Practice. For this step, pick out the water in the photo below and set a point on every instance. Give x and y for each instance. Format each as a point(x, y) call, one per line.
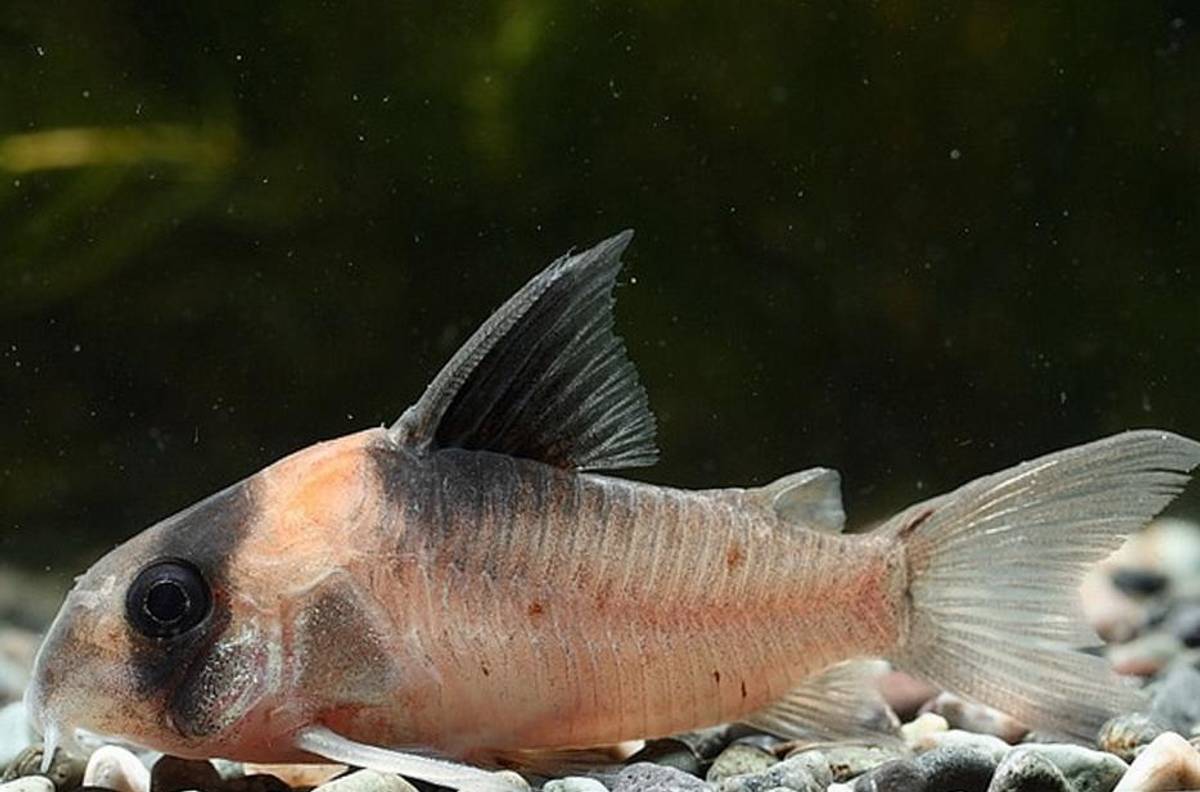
point(913, 243)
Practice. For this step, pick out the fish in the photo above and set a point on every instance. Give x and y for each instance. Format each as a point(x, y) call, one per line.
point(472, 584)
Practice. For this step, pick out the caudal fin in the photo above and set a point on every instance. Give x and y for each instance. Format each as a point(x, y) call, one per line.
point(994, 570)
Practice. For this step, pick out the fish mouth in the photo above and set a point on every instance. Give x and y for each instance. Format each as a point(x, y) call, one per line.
point(57, 732)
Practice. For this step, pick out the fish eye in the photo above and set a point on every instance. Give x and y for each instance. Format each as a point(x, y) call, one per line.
point(167, 598)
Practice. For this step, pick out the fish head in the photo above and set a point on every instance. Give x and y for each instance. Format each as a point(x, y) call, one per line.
point(174, 639)
point(155, 643)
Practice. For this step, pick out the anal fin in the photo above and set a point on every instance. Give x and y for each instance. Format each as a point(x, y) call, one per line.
point(842, 702)
point(322, 742)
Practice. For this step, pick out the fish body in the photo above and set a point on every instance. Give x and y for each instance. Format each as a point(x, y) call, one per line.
point(464, 582)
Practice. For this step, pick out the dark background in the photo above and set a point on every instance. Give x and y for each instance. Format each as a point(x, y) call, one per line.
point(914, 241)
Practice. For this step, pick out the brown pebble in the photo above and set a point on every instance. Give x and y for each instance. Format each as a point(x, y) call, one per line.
point(1125, 735)
point(66, 772)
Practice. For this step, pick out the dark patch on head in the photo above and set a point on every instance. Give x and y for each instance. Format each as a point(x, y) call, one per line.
point(743, 688)
point(213, 692)
point(535, 609)
point(206, 535)
point(716, 676)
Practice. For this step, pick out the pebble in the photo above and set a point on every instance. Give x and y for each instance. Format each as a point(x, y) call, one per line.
point(957, 767)
point(369, 781)
point(1138, 582)
point(1025, 770)
point(905, 694)
point(258, 782)
point(296, 775)
point(705, 743)
point(647, 777)
point(977, 718)
point(1125, 735)
point(1114, 616)
point(172, 774)
point(925, 724)
point(740, 759)
point(850, 761)
point(66, 771)
point(116, 769)
point(32, 783)
point(1168, 763)
point(815, 763)
point(1184, 623)
point(574, 784)
point(1177, 699)
point(1085, 770)
point(670, 753)
point(989, 744)
point(802, 773)
point(15, 735)
point(1145, 655)
point(900, 775)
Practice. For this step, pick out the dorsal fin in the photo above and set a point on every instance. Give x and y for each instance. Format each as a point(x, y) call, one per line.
point(544, 378)
point(809, 499)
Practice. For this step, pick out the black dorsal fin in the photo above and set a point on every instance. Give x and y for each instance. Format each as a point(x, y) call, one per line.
point(544, 378)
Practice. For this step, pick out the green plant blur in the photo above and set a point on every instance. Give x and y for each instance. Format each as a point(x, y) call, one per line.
point(913, 241)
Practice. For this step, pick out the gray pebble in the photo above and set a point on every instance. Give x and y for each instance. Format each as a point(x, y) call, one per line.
point(574, 784)
point(956, 768)
point(1025, 770)
point(899, 775)
point(814, 762)
point(28, 784)
point(172, 774)
point(1177, 699)
point(647, 777)
point(707, 743)
point(1125, 735)
point(850, 761)
point(670, 752)
point(740, 759)
point(802, 773)
point(1085, 770)
point(368, 781)
point(956, 738)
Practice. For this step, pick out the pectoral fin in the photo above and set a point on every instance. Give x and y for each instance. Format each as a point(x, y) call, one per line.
point(842, 702)
point(322, 742)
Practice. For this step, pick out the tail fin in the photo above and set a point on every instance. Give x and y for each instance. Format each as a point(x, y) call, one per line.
point(994, 570)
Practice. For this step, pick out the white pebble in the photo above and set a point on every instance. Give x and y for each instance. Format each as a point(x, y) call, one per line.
point(367, 781)
point(574, 784)
point(116, 769)
point(1168, 763)
point(15, 735)
point(33, 783)
point(929, 723)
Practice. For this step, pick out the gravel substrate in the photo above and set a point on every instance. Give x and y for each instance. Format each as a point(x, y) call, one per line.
point(1145, 601)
